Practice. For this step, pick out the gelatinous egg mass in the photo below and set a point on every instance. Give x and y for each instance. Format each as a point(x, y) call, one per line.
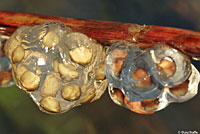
point(147, 80)
point(59, 68)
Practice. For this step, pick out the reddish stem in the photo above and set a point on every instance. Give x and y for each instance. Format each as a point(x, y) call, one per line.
point(106, 32)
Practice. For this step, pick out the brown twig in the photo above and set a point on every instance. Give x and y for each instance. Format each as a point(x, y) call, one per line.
point(106, 32)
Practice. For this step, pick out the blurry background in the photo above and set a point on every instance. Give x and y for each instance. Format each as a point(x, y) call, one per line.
point(19, 115)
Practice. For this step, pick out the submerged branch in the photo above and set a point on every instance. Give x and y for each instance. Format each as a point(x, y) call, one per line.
point(106, 32)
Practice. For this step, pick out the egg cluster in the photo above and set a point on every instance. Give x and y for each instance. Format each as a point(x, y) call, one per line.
point(59, 68)
point(150, 78)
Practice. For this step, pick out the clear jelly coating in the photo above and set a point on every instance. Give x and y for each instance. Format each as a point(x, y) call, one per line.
point(176, 65)
point(59, 68)
point(161, 72)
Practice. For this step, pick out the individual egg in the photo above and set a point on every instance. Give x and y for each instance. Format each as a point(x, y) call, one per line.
point(80, 47)
point(171, 67)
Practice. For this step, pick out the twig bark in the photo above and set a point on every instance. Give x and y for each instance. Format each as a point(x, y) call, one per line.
point(106, 32)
